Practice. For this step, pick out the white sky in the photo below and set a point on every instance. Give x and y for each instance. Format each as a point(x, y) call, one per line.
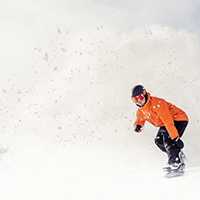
point(29, 20)
point(182, 12)
point(26, 23)
point(115, 14)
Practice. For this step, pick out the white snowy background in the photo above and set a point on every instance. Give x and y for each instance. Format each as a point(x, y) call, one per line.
point(66, 116)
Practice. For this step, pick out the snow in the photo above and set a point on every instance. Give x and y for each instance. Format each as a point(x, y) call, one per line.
point(66, 116)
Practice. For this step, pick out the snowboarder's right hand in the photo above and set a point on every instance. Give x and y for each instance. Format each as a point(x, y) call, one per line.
point(138, 128)
point(178, 142)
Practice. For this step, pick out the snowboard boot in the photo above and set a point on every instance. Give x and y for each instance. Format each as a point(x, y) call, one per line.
point(177, 165)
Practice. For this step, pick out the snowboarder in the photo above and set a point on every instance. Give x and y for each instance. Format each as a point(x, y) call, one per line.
point(170, 119)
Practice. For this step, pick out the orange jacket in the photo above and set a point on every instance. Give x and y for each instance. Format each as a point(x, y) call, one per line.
point(160, 113)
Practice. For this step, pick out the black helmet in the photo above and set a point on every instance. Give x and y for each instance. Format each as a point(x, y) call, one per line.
point(138, 89)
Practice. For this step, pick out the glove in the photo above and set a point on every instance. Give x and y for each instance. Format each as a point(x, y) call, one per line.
point(138, 128)
point(178, 142)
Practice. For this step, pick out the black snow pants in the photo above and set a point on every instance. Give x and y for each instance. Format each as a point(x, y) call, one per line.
point(164, 142)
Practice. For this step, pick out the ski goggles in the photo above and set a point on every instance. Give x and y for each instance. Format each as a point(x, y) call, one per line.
point(140, 96)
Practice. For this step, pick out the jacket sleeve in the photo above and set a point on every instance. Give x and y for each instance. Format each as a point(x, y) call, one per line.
point(164, 113)
point(139, 118)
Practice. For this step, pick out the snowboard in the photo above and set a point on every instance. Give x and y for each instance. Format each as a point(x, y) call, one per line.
point(178, 172)
point(174, 174)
